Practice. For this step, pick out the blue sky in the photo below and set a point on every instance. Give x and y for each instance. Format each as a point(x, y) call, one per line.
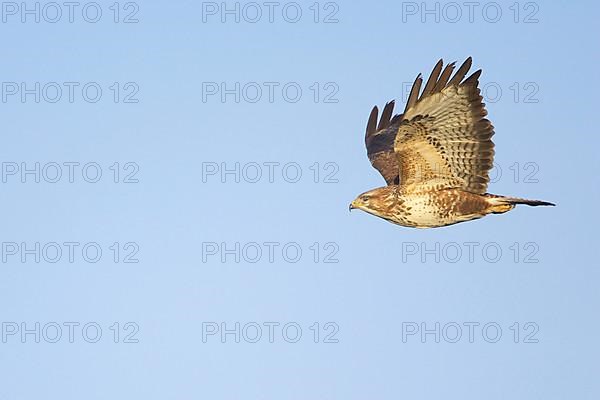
point(228, 153)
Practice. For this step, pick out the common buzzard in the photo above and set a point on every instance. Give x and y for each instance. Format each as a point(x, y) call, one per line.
point(435, 157)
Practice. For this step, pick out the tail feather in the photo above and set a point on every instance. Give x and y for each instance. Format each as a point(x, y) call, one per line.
point(502, 204)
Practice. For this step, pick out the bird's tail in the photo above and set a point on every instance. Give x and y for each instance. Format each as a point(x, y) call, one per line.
point(502, 204)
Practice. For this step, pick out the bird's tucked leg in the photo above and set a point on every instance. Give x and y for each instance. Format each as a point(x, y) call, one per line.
point(501, 208)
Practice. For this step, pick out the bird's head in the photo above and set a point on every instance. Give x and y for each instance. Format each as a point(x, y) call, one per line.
point(377, 201)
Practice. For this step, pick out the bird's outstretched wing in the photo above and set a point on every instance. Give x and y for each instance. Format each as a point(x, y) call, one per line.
point(441, 140)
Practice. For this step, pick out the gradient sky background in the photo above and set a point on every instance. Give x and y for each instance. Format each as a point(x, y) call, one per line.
point(368, 56)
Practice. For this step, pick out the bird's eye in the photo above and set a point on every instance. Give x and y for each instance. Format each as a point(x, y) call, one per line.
point(365, 198)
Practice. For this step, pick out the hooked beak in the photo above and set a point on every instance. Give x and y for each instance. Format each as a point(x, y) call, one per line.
point(351, 207)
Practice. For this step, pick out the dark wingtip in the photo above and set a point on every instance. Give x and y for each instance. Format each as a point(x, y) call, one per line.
point(386, 115)
point(462, 72)
point(473, 79)
point(533, 202)
point(372, 122)
point(413, 96)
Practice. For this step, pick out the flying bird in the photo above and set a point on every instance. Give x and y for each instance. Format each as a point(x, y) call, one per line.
point(436, 156)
